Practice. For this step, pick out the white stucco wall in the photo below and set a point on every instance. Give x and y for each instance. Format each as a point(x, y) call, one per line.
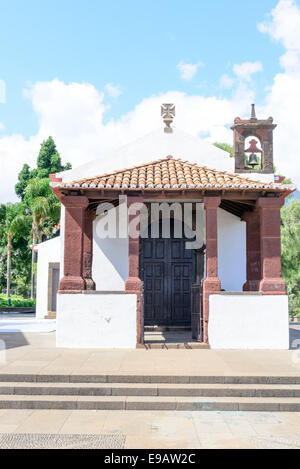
point(62, 239)
point(110, 256)
point(231, 251)
point(248, 321)
point(49, 251)
point(155, 145)
point(96, 320)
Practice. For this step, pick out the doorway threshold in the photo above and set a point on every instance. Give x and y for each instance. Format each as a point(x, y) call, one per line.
point(171, 339)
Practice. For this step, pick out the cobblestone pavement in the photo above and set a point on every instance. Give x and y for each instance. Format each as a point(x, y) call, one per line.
point(153, 429)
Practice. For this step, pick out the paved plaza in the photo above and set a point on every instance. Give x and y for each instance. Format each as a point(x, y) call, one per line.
point(36, 354)
point(31, 352)
point(140, 429)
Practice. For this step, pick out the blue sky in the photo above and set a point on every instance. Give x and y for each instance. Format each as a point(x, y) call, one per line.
point(134, 44)
point(93, 74)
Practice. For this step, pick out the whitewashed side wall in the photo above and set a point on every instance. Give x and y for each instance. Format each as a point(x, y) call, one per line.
point(96, 320)
point(246, 321)
point(62, 239)
point(110, 256)
point(49, 251)
point(231, 251)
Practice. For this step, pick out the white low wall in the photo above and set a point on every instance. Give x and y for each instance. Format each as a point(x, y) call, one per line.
point(48, 251)
point(248, 321)
point(96, 320)
point(231, 251)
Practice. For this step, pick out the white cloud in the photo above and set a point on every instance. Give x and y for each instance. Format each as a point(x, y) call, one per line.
point(226, 81)
point(284, 27)
point(113, 90)
point(188, 71)
point(1, 126)
point(245, 70)
point(283, 100)
point(74, 114)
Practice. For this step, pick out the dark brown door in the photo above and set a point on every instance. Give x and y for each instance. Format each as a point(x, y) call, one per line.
point(168, 271)
point(55, 282)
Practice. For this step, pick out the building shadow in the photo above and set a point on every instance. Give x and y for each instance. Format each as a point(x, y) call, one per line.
point(294, 336)
point(10, 340)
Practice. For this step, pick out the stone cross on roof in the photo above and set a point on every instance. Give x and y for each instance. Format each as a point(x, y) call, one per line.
point(168, 112)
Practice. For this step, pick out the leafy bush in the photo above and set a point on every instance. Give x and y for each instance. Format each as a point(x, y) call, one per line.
point(16, 301)
point(290, 247)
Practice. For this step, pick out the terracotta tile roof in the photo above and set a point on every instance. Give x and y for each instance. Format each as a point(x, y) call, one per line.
point(172, 173)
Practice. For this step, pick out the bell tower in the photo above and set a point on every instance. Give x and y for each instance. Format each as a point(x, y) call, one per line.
point(263, 131)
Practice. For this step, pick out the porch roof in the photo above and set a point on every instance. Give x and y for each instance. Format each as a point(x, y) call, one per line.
point(172, 174)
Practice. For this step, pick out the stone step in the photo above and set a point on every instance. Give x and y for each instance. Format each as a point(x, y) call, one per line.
point(139, 378)
point(176, 345)
point(150, 403)
point(167, 329)
point(142, 389)
point(51, 315)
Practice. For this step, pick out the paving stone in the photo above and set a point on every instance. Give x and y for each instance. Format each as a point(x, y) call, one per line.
point(206, 405)
point(52, 441)
point(55, 378)
point(151, 403)
point(101, 405)
point(86, 378)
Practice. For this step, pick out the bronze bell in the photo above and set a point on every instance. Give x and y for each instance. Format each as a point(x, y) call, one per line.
point(253, 160)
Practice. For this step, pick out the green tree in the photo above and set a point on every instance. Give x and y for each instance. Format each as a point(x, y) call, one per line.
point(44, 212)
point(20, 259)
point(23, 178)
point(290, 244)
point(14, 227)
point(48, 162)
point(225, 147)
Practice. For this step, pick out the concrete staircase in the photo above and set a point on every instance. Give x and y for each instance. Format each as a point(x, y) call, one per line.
point(148, 392)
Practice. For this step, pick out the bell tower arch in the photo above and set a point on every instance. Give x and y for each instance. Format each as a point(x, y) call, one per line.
point(262, 129)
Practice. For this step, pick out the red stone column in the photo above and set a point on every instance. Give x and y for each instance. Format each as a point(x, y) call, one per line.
point(253, 252)
point(211, 284)
point(133, 284)
point(271, 281)
point(73, 280)
point(88, 249)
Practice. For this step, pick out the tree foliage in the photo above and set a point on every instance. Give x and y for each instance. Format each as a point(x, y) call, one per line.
point(48, 162)
point(225, 147)
point(30, 220)
point(10, 223)
point(23, 178)
point(290, 243)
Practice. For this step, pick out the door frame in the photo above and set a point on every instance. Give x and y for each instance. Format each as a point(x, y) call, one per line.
point(168, 322)
point(51, 267)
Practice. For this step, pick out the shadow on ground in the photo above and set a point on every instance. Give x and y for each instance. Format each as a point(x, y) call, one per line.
point(10, 340)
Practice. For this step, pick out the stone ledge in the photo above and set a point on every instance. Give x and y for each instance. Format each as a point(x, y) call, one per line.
point(240, 293)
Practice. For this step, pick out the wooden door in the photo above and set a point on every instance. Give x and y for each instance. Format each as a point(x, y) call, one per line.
point(168, 271)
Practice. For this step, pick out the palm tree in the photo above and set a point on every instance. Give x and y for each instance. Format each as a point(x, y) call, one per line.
point(43, 205)
point(15, 224)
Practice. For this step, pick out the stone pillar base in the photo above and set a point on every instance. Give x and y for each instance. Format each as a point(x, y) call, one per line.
point(251, 285)
point(211, 285)
point(272, 286)
point(90, 284)
point(72, 283)
point(134, 285)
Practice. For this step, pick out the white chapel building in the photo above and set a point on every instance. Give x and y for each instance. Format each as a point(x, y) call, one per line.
point(169, 231)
